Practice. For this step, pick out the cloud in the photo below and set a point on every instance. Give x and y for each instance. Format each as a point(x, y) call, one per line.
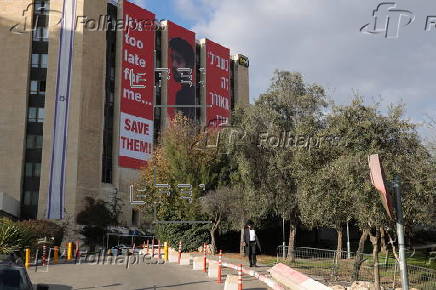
point(321, 39)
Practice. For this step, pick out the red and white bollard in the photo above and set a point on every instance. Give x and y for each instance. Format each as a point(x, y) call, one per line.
point(158, 249)
point(180, 252)
point(240, 277)
point(220, 264)
point(147, 247)
point(77, 250)
point(152, 248)
point(44, 255)
point(204, 258)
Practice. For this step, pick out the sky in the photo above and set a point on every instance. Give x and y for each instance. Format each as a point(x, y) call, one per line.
point(322, 40)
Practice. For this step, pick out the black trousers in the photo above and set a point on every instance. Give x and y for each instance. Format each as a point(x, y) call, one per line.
point(252, 253)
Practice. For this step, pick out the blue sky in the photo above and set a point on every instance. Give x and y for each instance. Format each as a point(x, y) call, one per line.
point(322, 40)
point(166, 9)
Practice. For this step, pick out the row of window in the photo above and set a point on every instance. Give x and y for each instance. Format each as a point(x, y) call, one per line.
point(40, 33)
point(32, 169)
point(34, 138)
point(37, 87)
point(39, 60)
point(34, 142)
point(35, 115)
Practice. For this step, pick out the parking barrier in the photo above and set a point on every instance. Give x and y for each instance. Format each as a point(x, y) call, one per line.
point(180, 252)
point(56, 255)
point(70, 251)
point(240, 277)
point(27, 258)
point(204, 258)
point(220, 261)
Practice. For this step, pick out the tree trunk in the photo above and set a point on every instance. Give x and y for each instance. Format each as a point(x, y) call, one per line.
point(358, 260)
point(291, 245)
point(212, 240)
point(213, 235)
point(384, 248)
point(375, 250)
point(339, 245)
point(241, 245)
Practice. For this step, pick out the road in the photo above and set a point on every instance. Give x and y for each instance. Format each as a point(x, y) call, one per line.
point(137, 277)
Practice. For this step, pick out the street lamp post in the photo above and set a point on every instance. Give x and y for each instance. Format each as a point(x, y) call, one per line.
point(400, 233)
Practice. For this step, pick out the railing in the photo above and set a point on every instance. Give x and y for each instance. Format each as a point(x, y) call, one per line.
point(332, 266)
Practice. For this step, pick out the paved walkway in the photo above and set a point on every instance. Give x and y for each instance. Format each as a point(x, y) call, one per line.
point(137, 277)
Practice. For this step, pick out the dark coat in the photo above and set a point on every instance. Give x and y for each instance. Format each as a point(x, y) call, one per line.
point(247, 239)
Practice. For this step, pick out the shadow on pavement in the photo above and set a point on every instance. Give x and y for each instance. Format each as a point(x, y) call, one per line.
point(104, 286)
point(175, 285)
point(44, 286)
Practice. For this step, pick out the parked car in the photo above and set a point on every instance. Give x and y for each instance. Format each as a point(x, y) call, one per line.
point(14, 277)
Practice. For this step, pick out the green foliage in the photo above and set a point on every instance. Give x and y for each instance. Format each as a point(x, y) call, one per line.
point(13, 237)
point(95, 217)
point(191, 236)
point(43, 228)
point(95, 213)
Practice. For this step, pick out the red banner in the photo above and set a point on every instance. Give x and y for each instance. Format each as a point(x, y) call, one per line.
point(217, 84)
point(137, 82)
point(181, 62)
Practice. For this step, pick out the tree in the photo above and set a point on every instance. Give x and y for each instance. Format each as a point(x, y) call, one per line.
point(95, 217)
point(268, 170)
point(367, 131)
point(179, 159)
point(217, 205)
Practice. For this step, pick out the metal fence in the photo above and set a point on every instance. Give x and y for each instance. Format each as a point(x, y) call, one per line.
point(334, 267)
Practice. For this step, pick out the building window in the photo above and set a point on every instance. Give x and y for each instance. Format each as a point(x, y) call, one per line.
point(135, 217)
point(108, 127)
point(30, 198)
point(37, 87)
point(35, 115)
point(33, 169)
point(41, 8)
point(34, 142)
point(39, 60)
point(40, 34)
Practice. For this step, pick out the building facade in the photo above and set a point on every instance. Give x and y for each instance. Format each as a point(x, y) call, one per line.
point(64, 74)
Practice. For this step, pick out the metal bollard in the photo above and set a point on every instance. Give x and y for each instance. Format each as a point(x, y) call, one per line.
point(180, 252)
point(27, 258)
point(204, 258)
point(240, 277)
point(70, 251)
point(165, 251)
point(220, 263)
point(56, 255)
point(158, 249)
point(147, 247)
point(77, 249)
point(44, 255)
point(152, 248)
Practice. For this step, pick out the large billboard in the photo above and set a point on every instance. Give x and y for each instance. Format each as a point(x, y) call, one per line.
point(137, 85)
point(217, 84)
point(181, 62)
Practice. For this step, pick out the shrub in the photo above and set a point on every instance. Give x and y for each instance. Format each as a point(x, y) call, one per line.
point(44, 228)
point(14, 237)
point(191, 236)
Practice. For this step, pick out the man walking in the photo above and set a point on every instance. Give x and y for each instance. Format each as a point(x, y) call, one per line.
point(251, 243)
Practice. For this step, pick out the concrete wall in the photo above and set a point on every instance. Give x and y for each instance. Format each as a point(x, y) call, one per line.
point(14, 72)
point(241, 83)
point(9, 204)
